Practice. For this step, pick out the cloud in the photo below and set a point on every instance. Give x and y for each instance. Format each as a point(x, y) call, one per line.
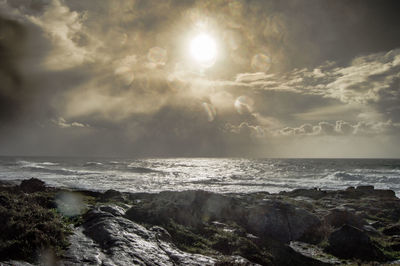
point(62, 123)
point(342, 128)
point(371, 80)
point(122, 67)
point(65, 30)
point(12, 38)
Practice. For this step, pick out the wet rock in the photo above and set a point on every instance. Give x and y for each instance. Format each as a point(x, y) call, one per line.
point(309, 193)
point(115, 240)
point(392, 230)
point(286, 255)
point(235, 261)
point(339, 217)
point(113, 209)
point(384, 193)
point(280, 221)
point(395, 247)
point(371, 230)
point(178, 257)
point(366, 188)
point(112, 194)
point(161, 233)
point(366, 191)
point(377, 224)
point(371, 191)
point(82, 249)
point(311, 251)
point(349, 242)
point(32, 185)
point(266, 219)
point(395, 238)
point(256, 226)
point(189, 208)
point(15, 263)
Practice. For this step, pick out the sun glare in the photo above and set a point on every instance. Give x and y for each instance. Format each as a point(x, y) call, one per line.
point(203, 49)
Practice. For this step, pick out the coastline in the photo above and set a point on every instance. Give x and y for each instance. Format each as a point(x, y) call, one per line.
point(302, 227)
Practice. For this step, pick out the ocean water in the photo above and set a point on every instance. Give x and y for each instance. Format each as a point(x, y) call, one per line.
point(213, 174)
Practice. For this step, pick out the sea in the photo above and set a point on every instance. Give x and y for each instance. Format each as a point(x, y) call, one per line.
point(222, 175)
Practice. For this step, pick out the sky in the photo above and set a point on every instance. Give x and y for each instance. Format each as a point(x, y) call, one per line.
point(293, 78)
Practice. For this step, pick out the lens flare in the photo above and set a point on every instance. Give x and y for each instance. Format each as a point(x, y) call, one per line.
point(261, 62)
point(157, 55)
point(203, 49)
point(244, 104)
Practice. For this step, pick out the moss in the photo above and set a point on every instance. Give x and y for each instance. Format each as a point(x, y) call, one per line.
point(75, 221)
point(211, 240)
point(187, 240)
point(30, 224)
point(231, 244)
point(384, 245)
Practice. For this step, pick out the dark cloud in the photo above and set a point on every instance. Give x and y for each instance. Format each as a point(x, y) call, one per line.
point(12, 93)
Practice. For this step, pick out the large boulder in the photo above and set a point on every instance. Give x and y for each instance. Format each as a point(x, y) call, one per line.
point(112, 194)
point(339, 217)
point(32, 185)
point(281, 221)
point(349, 242)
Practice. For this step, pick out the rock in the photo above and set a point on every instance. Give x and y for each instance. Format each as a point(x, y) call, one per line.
point(384, 193)
point(339, 217)
point(349, 242)
point(235, 261)
point(286, 255)
point(377, 224)
point(161, 233)
point(188, 208)
point(395, 238)
point(265, 219)
point(371, 230)
point(112, 194)
point(32, 185)
point(82, 250)
point(392, 230)
point(115, 240)
point(113, 209)
point(366, 188)
point(395, 247)
point(237, 229)
point(179, 257)
point(371, 191)
point(367, 191)
point(313, 251)
point(280, 221)
point(15, 263)
point(309, 193)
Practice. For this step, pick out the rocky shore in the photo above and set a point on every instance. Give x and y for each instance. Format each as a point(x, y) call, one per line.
point(54, 226)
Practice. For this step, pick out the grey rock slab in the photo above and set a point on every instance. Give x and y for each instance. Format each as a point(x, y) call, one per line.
point(106, 239)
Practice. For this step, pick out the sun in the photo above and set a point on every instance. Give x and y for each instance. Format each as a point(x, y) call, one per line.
point(203, 49)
